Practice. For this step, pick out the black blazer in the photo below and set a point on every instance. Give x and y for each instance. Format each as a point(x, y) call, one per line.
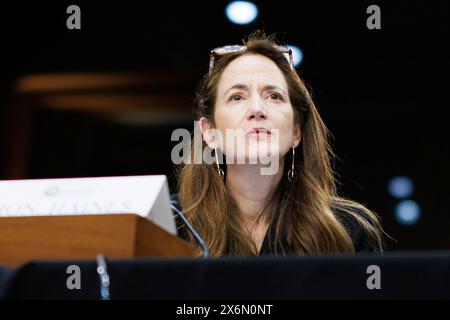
point(362, 241)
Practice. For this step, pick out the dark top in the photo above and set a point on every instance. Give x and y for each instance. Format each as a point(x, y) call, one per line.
point(362, 241)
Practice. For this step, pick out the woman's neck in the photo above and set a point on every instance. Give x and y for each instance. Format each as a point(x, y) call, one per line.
point(250, 189)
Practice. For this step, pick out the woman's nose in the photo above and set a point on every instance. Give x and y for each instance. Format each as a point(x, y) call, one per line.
point(257, 110)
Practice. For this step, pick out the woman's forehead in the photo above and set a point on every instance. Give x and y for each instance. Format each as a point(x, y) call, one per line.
point(252, 69)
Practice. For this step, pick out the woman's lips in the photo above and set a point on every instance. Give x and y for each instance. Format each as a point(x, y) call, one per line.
point(258, 131)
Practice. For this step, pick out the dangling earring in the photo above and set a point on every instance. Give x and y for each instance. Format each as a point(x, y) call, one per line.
point(292, 177)
point(220, 171)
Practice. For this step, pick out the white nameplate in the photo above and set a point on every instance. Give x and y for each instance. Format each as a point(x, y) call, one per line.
point(147, 196)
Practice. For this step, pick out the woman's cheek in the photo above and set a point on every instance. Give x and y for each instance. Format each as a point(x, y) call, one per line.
point(286, 140)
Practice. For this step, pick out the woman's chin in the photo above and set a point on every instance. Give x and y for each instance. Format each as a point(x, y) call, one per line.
point(262, 151)
point(254, 154)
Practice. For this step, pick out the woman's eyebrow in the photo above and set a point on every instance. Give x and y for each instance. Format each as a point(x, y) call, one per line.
point(273, 87)
point(239, 86)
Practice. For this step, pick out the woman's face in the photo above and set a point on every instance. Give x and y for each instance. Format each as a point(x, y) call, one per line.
point(252, 103)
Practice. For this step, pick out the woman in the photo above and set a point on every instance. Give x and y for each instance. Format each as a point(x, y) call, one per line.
point(237, 210)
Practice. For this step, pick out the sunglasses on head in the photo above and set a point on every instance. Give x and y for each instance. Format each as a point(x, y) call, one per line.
point(221, 51)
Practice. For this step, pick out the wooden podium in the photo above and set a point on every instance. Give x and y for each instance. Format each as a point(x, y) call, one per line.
point(79, 237)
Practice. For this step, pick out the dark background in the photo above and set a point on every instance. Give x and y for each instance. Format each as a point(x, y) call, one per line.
point(382, 93)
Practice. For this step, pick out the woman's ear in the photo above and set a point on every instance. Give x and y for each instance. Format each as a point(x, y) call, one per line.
point(207, 130)
point(297, 138)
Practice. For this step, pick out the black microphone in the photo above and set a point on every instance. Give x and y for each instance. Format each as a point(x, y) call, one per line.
point(191, 229)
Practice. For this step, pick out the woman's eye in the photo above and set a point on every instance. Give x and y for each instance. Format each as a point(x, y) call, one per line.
point(275, 96)
point(235, 97)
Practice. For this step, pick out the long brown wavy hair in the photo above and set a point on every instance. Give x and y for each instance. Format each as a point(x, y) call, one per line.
point(306, 215)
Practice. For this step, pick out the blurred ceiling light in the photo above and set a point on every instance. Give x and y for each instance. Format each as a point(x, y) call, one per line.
point(400, 187)
point(241, 12)
point(407, 212)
